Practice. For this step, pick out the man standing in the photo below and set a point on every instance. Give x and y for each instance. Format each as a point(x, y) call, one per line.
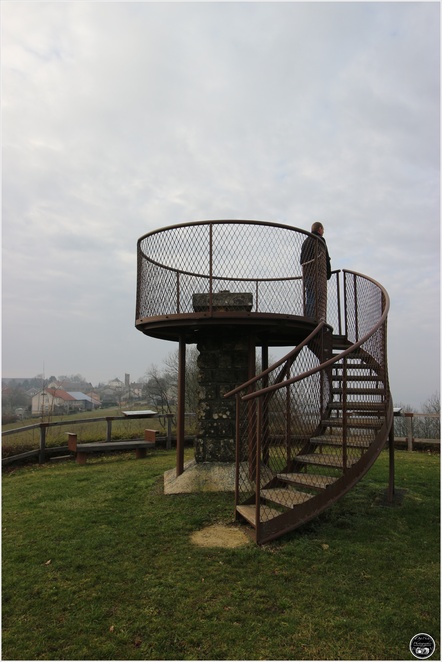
point(316, 269)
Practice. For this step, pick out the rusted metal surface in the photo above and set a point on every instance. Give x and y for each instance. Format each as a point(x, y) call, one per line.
point(180, 407)
point(182, 270)
point(326, 421)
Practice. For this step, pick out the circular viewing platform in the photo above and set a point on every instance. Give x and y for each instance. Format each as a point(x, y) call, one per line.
point(221, 275)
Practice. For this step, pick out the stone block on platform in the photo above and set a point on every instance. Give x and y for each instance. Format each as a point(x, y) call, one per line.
point(223, 301)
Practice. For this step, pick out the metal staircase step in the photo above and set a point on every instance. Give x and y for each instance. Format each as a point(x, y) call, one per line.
point(356, 355)
point(365, 407)
point(357, 378)
point(339, 365)
point(340, 342)
point(249, 513)
point(322, 460)
point(284, 496)
point(336, 435)
point(358, 423)
point(359, 391)
point(362, 370)
point(355, 443)
point(314, 481)
point(330, 440)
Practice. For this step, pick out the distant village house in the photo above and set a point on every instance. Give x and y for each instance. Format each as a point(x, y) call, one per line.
point(58, 401)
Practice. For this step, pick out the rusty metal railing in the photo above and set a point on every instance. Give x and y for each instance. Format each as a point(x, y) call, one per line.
point(261, 258)
point(321, 418)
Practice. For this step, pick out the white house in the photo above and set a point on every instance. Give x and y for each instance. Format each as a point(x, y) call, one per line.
point(51, 400)
point(116, 384)
point(58, 401)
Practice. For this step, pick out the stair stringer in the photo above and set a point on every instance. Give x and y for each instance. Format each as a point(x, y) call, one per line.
point(303, 513)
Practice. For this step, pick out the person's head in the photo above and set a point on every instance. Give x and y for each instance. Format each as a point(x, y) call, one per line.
point(318, 227)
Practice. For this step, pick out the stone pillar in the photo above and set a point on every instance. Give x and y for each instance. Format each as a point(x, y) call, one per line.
point(222, 365)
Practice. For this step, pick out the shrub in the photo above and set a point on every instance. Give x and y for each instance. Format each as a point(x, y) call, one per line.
point(9, 418)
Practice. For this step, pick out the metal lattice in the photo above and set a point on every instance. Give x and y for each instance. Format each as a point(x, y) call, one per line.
point(311, 425)
point(211, 256)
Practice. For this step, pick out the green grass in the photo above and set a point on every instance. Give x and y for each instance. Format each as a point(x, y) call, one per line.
point(98, 564)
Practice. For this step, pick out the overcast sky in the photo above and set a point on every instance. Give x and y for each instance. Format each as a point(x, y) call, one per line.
point(119, 118)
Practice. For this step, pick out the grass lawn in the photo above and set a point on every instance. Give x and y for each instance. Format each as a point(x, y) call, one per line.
point(98, 564)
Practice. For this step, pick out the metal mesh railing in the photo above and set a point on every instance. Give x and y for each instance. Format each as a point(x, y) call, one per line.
point(335, 303)
point(253, 257)
point(307, 421)
point(276, 427)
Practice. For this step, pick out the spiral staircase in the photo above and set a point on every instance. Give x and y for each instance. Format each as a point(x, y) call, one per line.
point(311, 426)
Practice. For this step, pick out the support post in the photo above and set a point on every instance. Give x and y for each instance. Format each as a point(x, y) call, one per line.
point(81, 458)
point(344, 416)
point(41, 457)
point(72, 441)
point(391, 464)
point(252, 420)
point(237, 449)
point(258, 470)
point(180, 407)
point(409, 417)
point(265, 413)
point(108, 428)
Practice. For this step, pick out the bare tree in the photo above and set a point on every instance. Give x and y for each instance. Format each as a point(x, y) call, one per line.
point(158, 389)
point(429, 428)
point(191, 377)
point(400, 422)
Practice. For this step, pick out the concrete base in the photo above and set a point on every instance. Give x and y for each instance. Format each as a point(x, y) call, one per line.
point(201, 477)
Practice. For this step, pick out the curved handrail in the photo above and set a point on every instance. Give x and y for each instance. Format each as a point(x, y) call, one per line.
point(329, 362)
point(230, 221)
point(292, 354)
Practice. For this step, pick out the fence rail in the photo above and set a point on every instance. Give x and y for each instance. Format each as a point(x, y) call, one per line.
point(44, 452)
point(410, 439)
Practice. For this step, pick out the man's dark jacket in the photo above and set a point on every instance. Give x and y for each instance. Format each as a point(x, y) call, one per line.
point(308, 252)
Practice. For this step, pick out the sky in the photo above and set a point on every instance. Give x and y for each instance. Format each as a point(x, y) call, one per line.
point(119, 118)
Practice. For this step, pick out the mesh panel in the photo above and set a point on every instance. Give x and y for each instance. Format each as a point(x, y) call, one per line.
point(302, 437)
point(284, 420)
point(335, 303)
point(239, 256)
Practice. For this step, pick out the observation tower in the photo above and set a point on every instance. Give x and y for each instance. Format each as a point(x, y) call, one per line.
point(299, 433)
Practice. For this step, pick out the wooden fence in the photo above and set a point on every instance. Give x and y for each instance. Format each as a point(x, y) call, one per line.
point(410, 439)
point(43, 452)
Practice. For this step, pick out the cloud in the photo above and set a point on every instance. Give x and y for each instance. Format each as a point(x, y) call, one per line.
point(119, 118)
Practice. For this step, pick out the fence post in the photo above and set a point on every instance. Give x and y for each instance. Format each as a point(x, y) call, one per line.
point(108, 428)
point(409, 417)
point(391, 464)
point(41, 457)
